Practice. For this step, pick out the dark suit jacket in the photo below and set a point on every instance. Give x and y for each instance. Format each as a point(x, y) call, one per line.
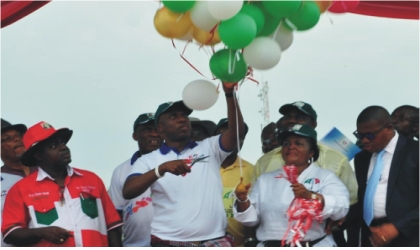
point(402, 199)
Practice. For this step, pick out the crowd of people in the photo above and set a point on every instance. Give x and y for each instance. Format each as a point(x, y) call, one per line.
point(180, 187)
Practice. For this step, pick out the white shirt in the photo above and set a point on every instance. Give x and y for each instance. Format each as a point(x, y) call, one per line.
point(271, 197)
point(137, 213)
point(7, 181)
point(381, 190)
point(187, 208)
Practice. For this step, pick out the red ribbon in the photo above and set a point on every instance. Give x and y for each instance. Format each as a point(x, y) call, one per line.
point(301, 212)
point(183, 58)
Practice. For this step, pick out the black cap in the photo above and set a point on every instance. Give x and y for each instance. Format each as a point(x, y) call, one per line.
point(208, 125)
point(224, 122)
point(5, 125)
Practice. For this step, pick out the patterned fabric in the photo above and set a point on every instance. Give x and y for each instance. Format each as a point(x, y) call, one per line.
point(225, 241)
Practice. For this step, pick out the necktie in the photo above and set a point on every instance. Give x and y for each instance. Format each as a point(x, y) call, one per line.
point(371, 189)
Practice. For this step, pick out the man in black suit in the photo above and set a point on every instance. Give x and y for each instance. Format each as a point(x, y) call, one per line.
point(388, 211)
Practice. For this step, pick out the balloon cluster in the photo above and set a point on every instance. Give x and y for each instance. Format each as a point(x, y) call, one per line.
point(254, 33)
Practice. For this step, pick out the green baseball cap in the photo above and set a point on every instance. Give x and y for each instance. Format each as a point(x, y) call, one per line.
point(298, 129)
point(143, 119)
point(164, 107)
point(302, 106)
point(224, 122)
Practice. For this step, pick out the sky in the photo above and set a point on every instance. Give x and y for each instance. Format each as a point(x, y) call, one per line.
point(94, 67)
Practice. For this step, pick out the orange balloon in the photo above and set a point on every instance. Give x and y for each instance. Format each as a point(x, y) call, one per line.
point(323, 5)
point(205, 37)
point(172, 25)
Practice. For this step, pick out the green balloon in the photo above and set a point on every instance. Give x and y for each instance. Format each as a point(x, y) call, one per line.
point(270, 22)
point(178, 6)
point(306, 17)
point(281, 8)
point(238, 32)
point(256, 14)
point(219, 65)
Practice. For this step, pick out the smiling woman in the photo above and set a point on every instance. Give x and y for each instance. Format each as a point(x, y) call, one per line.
point(273, 194)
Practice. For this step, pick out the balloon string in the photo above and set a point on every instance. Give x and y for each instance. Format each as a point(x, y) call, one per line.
point(191, 65)
point(329, 17)
point(229, 63)
point(291, 25)
point(180, 17)
point(236, 101)
point(277, 30)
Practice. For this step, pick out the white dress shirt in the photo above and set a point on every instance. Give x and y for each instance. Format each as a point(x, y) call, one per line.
point(381, 190)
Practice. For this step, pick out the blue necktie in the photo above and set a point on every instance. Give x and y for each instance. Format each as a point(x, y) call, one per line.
point(371, 189)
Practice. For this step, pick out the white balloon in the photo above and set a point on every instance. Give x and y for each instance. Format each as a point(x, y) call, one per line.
point(222, 10)
point(263, 53)
point(201, 18)
point(200, 95)
point(284, 37)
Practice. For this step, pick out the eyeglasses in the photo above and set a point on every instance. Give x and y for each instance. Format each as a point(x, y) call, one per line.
point(370, 136)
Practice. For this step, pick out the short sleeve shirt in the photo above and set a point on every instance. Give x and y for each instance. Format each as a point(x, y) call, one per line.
point(187, 208)
point(84, 208)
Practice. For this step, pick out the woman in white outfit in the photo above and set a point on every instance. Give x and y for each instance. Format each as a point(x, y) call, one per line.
point(272, 194)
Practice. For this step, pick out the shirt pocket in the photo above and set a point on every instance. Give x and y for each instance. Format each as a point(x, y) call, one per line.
point(89, 205)
point(45, 215)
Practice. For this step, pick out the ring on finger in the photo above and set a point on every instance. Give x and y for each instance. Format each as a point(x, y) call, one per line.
point(383, 238)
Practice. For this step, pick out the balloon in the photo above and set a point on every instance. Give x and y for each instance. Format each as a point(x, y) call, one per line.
point(186, 37)
point(305, 18)
point(238, 32)
point(200, 95)
point(343, 6)
point(201, 18)
point(281, 8)
point(223, 10)
point(170, 24)
point(204, 37)
point(263, 53)
point(283, 37)
point(270, 22)
point(323, 5)
point(228, 65)
point(256, 14)
point(178, 6)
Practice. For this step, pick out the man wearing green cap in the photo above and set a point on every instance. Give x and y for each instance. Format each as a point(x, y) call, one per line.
point(303, 113)
point(184, 178)
point(136, 213)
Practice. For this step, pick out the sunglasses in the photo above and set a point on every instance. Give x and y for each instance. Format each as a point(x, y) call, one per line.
point(370, 136)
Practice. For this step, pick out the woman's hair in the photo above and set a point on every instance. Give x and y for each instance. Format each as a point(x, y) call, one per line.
point(313, 146)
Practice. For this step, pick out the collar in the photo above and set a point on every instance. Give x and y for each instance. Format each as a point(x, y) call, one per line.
point(42, 174)
point(164, 149)
point(392, 144)
point(134, 158)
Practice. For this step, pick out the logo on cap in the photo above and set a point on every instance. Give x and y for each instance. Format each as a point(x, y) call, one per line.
point(46, 125)
point(297, 127)
point(299, 104)
point(150, 115)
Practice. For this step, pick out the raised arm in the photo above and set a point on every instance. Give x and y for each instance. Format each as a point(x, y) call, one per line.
point(228, 138)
